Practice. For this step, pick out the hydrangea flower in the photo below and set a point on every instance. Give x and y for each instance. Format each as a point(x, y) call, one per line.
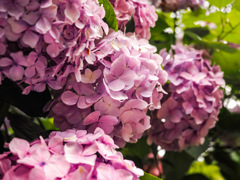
point(56, 38)
point(142, 12)
point(174, 5)
point(116, 91)
point(72, 154)
point(193, 104)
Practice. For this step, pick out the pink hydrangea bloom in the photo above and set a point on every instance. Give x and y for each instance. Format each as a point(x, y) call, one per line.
point(142, 12)
point(72, 154)
point(194, 101)
point(174, 5)
point(126, 73)
point(57, 38)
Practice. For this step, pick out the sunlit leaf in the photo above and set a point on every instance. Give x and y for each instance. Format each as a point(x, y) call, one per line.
point(148, 176)
point(220, 3)
point(110, 16)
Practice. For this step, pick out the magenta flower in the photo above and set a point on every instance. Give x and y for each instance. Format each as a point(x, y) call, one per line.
point(15, 66)
point(13, 8)
point(36, 65)
point(143, 14)
point(194, 103)
point(82, 155)
point(106, 122)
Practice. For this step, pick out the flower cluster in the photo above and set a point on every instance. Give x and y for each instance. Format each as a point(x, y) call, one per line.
point(42, 42)
point(194, 101)
point(115, 92)
point(95, 80)
point(174, 5)
point(142, 12)
point(72, 154)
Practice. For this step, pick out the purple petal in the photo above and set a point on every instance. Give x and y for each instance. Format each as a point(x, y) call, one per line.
point(40, 87)
point(4, 62)
point(116, 85)
point(53, 50)
point(72, 13)
point(22, 2)
point(31, 17)
point(107, 123)
point(43, 25)
point(16, 26)
point(82, 104)
point(30, 72)
point(19, 147)
point(91, 118)
point(31, 39)
point(16, 11)
point(16, 73)
point(69, 98)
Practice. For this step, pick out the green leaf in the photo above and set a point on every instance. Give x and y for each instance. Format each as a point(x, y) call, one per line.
point(229, 121)
point(25, 128)
point(220, 3)
point(130, 26)
point(159, 38)
point(210, 171)
point(195, 177)
point(237, 5)
point(196, 151)
point(148, 176)
point(176, 164)
point(230, 64)
point(143, 149)
point(208, 44)
point(110, 16)
point(229, 168)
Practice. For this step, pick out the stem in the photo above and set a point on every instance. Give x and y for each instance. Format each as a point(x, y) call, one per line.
point(154, 150)
point(174, 28)
point(229, 32)
point(40, 123)
point(222, 31)
point(6, 131)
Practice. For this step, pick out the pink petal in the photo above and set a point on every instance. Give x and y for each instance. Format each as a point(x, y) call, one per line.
point(107, 123)
point(127, 132)
point(31, 39)
point(22, 2)
point(32, 58)
point(57, 166)
point(19, 147)
point(40, 87)
point(37, 173)
point(73, 152)
point(16, 26)
point(16, 73)
point(4, 62)
point(176, 116)
point(82, 103)
point(2, 48)
point(43, 25)
point(10, 35)
point(72, 13)
point(16, 11)
point(128, 77)
point(69, 98)
point(53, 50)
point(91, 118)
point(30, 72)
point(116, 85)
point(54, 85)
point(31, 17)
